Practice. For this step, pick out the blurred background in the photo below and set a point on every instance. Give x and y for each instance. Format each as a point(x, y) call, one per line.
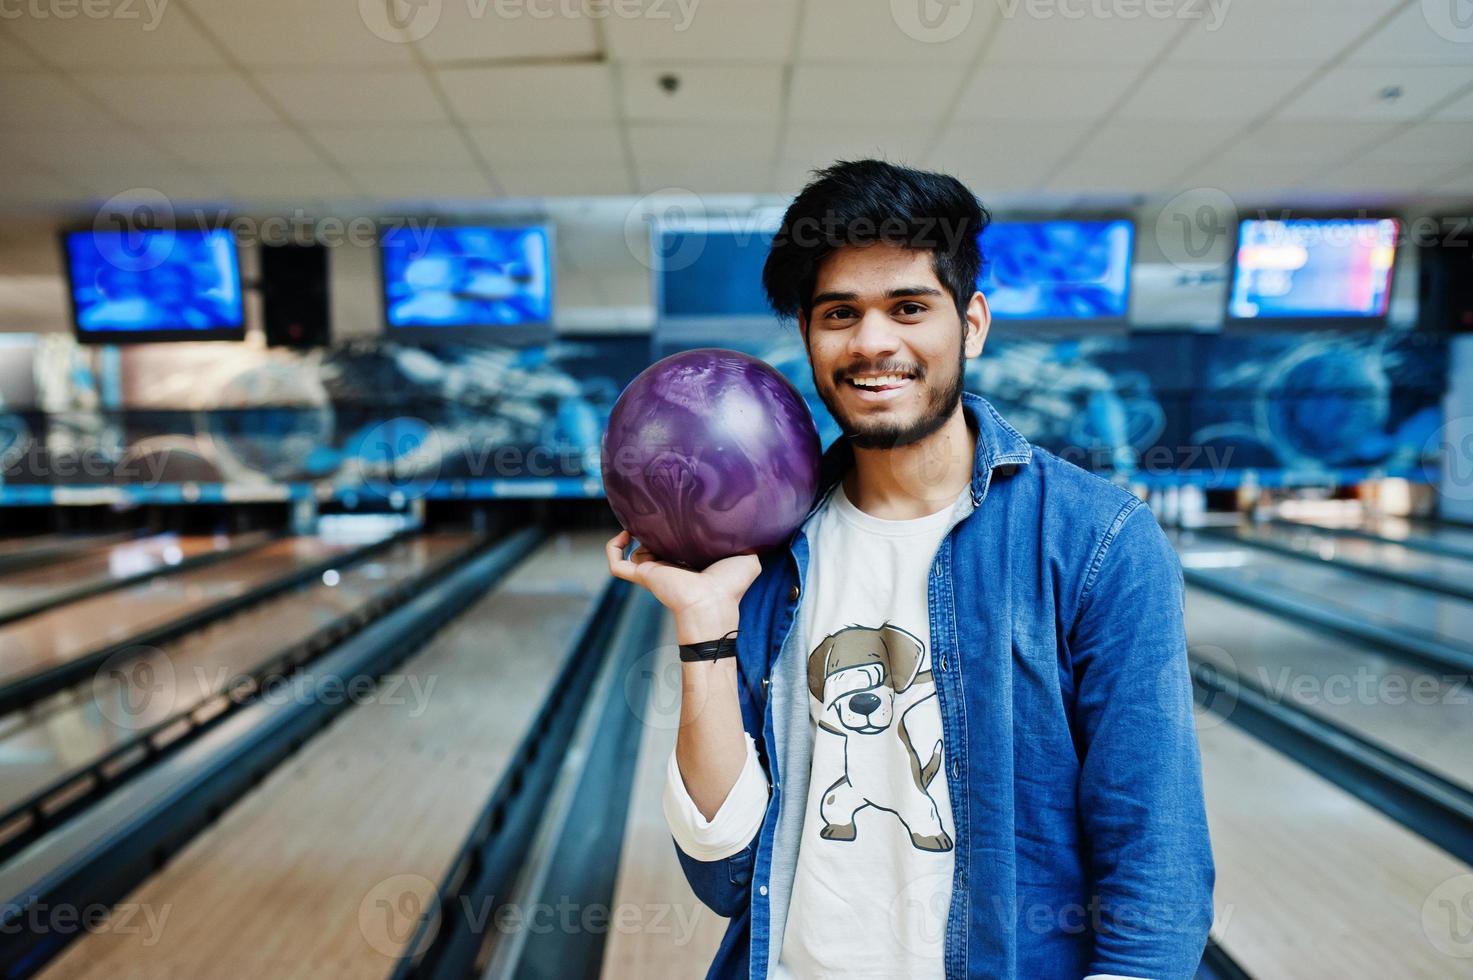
point(311, 318)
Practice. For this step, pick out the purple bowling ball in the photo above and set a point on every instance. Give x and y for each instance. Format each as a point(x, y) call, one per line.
point(710, 453)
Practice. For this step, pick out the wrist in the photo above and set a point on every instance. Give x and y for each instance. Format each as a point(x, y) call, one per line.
point(701, 623)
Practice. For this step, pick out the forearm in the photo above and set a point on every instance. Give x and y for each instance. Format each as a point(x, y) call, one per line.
point(710, 748)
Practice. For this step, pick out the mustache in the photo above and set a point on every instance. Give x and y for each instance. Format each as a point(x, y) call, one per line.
point(915, 371)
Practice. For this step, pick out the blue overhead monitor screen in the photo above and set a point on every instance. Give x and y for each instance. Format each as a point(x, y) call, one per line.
point(1313, 268)
point(467, 276)
point(1057, 270)
point(711, 273)
point(154, 280)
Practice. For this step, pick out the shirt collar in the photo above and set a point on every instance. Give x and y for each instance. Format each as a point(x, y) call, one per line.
point(998, 445)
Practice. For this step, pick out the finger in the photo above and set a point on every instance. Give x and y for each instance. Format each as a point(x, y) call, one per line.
point(619, 566)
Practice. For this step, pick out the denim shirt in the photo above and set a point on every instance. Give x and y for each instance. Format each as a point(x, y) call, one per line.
point(1059, 655)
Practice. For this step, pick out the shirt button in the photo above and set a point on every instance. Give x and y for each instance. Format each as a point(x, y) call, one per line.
point(793, 594)
point(762, 890)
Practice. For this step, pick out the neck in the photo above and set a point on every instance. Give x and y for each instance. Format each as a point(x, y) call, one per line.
point(915, 480)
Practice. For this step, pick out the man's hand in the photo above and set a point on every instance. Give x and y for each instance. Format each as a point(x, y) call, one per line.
point(703, 604)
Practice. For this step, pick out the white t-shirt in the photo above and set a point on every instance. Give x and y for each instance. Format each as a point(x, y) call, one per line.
point(873, 882)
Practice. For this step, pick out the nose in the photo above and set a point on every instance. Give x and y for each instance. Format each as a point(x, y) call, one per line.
point(864, 704)
point(874, 337)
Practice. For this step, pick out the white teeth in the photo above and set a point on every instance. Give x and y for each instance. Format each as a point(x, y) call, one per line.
point(878, 382)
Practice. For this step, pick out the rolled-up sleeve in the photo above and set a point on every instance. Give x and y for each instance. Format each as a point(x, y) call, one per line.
point(735, 823)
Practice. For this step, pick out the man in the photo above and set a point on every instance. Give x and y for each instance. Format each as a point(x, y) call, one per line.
point(955, 737)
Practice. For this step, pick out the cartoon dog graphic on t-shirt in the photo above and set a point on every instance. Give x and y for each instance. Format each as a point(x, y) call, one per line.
point(867, 680)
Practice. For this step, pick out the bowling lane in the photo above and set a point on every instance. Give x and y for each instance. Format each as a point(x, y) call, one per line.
point(109, 564)
point(323, 868)
point(36, 549)
point(1388, 605)
point(1440, 572)
point(684, 941)
point(39, 748)
point(61, 634)
point(1313, 883)
point(1420, 715)
point(1445, 538)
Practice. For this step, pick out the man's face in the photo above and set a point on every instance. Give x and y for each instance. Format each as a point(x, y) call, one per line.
point(886, 345)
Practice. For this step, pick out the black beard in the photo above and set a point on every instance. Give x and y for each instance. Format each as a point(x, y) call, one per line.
point(939, 408)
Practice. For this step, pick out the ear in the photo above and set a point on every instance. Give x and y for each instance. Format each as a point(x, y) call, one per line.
point(904, 651)
point(818, 668)
point(978, 320)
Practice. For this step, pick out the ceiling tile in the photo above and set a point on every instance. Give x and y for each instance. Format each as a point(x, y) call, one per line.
point(374, 97)
point(705, 30)
point(394, 146)
point(1459, 110)
point(1135, 157)
point(1384, 175)
point(425, 182)
point(1249, 179)
point(488, 30)
point(1354, 93)
point(136, 36)
point(733, 175)
point(235, 147)
point(1430, 142)
point(27, 187)
point(1024, 93)
point(1321, 143)
point(76, 151)
point(528, 146)
point(1003, 156)
point(1262, 31)
point(724, 92)
point(656, 144)
point(183, 99)
point(1459, 183)
point(859, 93)
point(44, 101)
point(285, 183)
point(1056, 37)
point(291, 33)
point(13, 57)
point(1412, 39)
point(810, 146)
point(538, 93)
point(704, 159)
point(569, 181)
point(1179, 92)
point(843, 30)
point(180, 185)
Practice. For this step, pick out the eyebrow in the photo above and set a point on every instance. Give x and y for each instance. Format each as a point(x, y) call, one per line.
point(900, 293)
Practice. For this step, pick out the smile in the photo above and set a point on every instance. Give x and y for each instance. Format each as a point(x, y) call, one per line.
point(879, 387)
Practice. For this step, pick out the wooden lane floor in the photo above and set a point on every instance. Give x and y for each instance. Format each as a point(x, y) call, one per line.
point(323, 868)
point(665, 931)
point(1386, 605)
point(37, 748)
point(34, 549)
point(1448, 538)
point(1448, 572)
point(1425, 716)
point(1316, 885)
point(118, 561)
point(58, 635)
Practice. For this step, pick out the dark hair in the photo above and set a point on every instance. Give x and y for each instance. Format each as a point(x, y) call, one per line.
point(863, 202)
